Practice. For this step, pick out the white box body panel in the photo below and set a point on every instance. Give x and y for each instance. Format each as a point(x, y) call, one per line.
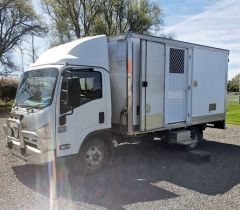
point(117, 60)
point(209, 82)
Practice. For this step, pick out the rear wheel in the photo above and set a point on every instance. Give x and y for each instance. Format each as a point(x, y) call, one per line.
point(196, 136)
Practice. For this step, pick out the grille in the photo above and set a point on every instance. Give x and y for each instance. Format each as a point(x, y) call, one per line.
point(31, 145)
point(176, 61)
point(30, 140)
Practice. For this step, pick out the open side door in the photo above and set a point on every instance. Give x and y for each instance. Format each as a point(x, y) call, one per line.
point(152, 85)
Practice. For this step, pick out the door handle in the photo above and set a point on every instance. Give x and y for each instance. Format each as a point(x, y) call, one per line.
point(101, 117)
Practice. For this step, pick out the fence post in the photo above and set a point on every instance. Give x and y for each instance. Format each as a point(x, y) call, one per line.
point(239, 90)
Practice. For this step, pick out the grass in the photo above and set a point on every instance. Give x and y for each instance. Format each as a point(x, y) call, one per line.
point(233, 113)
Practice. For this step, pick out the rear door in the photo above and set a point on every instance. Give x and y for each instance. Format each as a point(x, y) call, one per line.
point(151, 85)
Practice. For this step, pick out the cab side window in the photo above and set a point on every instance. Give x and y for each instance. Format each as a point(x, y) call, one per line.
point(90, 84)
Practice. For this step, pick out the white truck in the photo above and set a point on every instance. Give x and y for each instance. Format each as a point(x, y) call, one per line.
point(81, 98)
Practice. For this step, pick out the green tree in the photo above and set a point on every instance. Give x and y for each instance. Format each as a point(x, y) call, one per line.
point(233, 85)
point(18, 20)
point(119, 16)
point(72, 19)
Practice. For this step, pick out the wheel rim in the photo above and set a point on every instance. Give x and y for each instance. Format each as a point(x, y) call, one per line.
point(94, 157)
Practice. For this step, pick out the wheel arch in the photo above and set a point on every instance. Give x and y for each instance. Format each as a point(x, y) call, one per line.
point(104, 135)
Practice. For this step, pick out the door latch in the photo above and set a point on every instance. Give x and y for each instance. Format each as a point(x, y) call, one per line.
point(144, 83)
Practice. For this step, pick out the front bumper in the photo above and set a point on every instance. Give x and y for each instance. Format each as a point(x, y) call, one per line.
point(31, 152)
point(33, 157)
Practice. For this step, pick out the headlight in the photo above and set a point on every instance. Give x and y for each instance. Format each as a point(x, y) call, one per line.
point(44, 132)
point(15, 132)
point(44, 137)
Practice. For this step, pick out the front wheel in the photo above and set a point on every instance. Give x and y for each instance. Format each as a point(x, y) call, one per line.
point(93, 156)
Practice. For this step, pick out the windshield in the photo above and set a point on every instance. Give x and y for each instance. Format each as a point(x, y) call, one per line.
point(36, 88)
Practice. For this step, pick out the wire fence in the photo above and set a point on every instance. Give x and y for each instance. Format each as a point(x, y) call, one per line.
point(233, 97)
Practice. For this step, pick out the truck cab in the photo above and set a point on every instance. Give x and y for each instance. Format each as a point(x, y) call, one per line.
point(62, 100)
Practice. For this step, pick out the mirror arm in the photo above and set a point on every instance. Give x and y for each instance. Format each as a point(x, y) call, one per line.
point(70, 112)
point(67, 71)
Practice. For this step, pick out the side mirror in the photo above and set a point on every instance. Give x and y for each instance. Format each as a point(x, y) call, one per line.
point(73, 92)
point(62, 120)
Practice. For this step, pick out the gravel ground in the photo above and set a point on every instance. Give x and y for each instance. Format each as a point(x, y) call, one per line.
point(154, 177)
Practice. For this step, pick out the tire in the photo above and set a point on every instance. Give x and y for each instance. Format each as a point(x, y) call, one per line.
point(197, 136)
point(201, 136)
point(93, 156)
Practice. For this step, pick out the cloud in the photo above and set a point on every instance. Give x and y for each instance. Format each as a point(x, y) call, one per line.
point(218, 26)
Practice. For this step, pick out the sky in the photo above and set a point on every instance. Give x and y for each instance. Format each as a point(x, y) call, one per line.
point(214, 23)
point(209, 22)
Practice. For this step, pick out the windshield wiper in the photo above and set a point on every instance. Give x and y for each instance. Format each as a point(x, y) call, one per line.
point(14, 105)
point(34, 106)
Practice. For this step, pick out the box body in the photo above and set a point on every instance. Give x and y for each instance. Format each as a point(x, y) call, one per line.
point(164, 84)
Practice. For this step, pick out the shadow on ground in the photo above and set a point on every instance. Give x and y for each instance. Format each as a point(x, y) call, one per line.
point(134, 170)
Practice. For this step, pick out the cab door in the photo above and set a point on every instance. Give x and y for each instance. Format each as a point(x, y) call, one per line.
point(90, 116)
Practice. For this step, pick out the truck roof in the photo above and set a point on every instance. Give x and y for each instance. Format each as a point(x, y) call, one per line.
point(82, 51)
point(164, 40)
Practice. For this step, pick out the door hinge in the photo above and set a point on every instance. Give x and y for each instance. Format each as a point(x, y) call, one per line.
point(144, 83)
point(138, 110)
